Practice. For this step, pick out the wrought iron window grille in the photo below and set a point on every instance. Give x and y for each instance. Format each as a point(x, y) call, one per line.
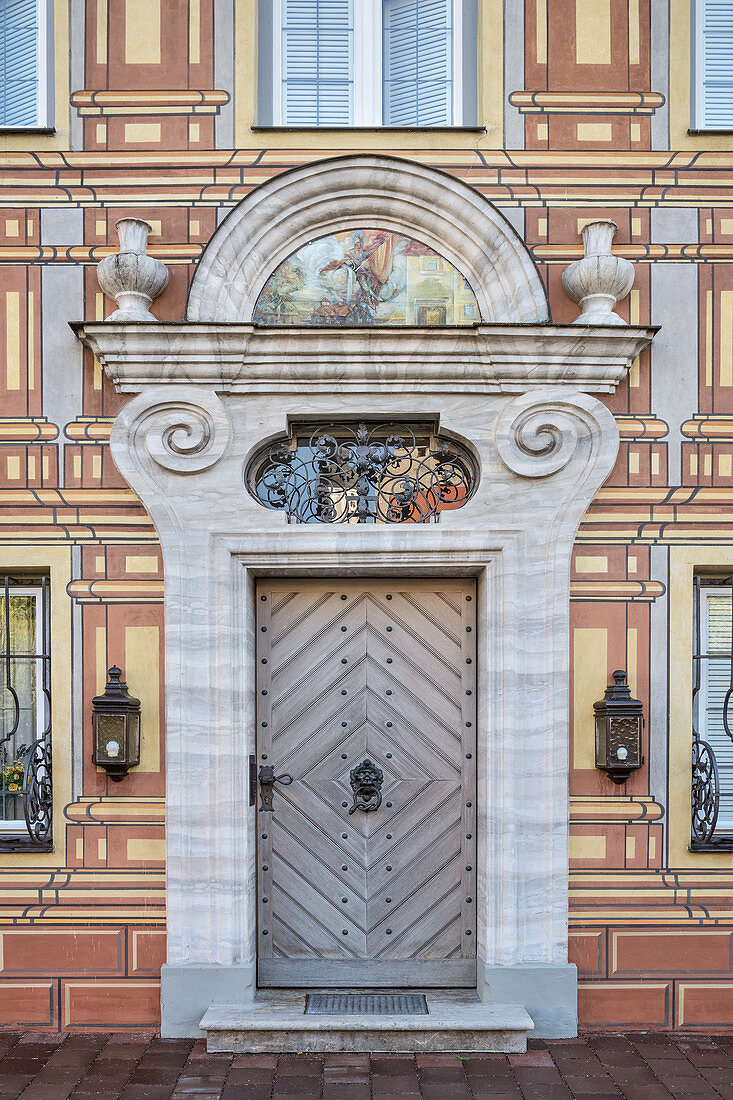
point(708, 789)
point(362, 473)
point(26, 794)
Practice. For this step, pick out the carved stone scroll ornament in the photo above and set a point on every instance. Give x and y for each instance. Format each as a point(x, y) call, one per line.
point(182, 428)
point(130, 276)
point(537, 434)
point(599, 280)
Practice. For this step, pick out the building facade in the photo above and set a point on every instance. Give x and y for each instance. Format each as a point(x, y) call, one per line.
point(356, 244)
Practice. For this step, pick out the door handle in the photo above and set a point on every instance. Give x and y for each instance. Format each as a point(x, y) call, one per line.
point(366, 783)
point(267, 780)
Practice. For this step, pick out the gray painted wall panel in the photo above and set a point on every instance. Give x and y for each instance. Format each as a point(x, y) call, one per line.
point(674, 351)
point(660, 71)
point(62, 289)
point(224, 46)
point(77, 40)
point(513, 71)
point(674, 225)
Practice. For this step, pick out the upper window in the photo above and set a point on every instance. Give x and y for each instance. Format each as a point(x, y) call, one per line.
point(367, 63)
point(25, 87)
point(712, 68)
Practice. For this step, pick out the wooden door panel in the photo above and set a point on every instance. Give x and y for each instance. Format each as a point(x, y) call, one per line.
point(385, 670)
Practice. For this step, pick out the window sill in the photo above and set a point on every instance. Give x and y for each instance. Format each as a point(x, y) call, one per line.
point(6, 131)
point(369, 129)
point(717, 130)
point(721, 844)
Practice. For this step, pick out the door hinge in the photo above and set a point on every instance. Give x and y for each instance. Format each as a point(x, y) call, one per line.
point(253, 780)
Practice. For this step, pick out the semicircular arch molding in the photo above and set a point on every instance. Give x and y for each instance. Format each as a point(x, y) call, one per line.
point(366, 192)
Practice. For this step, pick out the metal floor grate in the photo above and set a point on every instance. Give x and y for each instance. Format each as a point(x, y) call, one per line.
point(366, 1004)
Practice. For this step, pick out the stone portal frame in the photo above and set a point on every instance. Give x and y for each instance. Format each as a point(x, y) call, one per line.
point(543, 455)
point(213, 389)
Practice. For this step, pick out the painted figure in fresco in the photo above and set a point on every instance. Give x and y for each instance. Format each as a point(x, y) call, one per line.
point(371, 264)
point(365, 277)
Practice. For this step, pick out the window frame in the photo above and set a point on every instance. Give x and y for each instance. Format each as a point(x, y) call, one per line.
point(686, 563)
point(367, 108)
point(45, 89)
point(707, 587)
point(697, 70)
point(15, 833)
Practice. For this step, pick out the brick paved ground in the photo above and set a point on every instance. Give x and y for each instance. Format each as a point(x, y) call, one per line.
point(144, 1067)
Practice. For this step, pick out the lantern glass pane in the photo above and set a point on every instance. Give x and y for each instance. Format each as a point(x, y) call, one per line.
point(110, 738)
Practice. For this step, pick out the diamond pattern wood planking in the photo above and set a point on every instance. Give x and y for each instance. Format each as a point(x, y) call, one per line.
point(384, 670)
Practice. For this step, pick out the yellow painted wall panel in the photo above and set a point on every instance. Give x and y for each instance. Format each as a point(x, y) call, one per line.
point(726, 338)
point(590, 563)
point(142, 672)
point(587, 847)
point(634, 30)
point(594, 131)
point(101, 32)
point(139, 132)
point(541, 8)
point(194, 31)
point(590, 667)
point(593, 32)
point(12, 332)
point(145, 849)
point(142, 32)
point(141, 563)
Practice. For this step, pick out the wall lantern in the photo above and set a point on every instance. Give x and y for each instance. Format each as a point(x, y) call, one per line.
point(619, 722)
point(116, 727)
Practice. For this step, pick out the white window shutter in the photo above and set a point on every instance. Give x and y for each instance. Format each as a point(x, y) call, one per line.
point(317, 66)
point(417, 63)
point(714, 65)
point(716, 674)
point(19, 32)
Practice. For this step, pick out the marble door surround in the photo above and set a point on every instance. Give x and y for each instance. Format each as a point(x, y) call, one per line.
point(516, 389)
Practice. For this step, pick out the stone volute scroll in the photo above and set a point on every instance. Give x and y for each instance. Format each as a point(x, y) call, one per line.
point(184, 429)
point(539, 433)
point(130, 276)
point(600, 280)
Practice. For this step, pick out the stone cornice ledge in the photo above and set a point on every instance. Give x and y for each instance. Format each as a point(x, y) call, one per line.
point(243, 358)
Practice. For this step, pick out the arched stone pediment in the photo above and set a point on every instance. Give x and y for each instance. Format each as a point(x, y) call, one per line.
point(366, 192)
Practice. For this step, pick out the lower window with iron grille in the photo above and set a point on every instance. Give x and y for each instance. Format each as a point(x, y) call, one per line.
point(26, 791)
point(712, 715)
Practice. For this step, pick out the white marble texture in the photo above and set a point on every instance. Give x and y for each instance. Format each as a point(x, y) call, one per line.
point(239, 358)
point(276, 1021)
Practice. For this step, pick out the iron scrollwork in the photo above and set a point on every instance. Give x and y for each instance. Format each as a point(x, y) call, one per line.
point(705, 792)
point(363, 473)
point(366, 783)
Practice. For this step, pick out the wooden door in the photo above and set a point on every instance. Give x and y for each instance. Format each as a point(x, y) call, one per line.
point(381, 672)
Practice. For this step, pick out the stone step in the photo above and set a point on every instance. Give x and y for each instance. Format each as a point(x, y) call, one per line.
point(276, 1022)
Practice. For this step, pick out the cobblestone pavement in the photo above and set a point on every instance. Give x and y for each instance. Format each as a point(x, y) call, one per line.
point(141, 1066)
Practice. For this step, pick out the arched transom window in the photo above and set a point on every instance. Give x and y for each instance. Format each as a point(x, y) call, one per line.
point(366, 277)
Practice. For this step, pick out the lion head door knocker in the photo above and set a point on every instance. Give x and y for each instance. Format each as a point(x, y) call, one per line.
point(366, 783)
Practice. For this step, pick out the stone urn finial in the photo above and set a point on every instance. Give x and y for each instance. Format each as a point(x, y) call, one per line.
point(599, 280)
point(130, 276)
